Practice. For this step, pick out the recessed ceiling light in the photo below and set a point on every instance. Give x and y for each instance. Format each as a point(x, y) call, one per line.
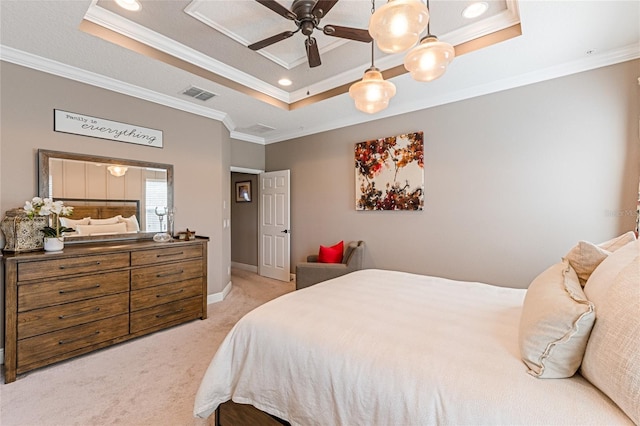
point(133, 5)
point(475, 9)
point(284, 82)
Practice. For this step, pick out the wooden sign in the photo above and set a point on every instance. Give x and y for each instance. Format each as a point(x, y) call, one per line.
point(79, 124)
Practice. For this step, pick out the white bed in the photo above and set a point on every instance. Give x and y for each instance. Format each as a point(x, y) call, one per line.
point(378, 347)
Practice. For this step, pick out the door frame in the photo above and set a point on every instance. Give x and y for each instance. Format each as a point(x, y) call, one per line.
point(257, 172)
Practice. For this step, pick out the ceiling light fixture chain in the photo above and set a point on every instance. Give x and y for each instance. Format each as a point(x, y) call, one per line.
point(372, 93)
point(429, 59)
point(373, 10)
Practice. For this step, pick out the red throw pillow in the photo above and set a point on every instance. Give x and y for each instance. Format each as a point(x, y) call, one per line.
point(331, 254)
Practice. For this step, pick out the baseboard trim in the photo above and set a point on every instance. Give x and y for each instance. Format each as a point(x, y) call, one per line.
point(245, 267)
point(219, 297)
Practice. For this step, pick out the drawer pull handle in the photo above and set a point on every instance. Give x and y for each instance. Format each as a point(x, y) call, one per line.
point(170, 293)
point(168, 274)
point(78, 289)
point(170, 254)
point(170, 313)
point(80, 265)
point(79, 314)
point(64, 342)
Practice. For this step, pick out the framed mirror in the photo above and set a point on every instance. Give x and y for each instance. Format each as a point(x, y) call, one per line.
point(119, 196)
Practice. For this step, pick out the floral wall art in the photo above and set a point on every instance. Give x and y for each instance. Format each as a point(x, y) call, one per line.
point(390, 173)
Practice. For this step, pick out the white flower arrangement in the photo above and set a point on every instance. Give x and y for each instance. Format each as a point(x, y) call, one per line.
point(47, 207)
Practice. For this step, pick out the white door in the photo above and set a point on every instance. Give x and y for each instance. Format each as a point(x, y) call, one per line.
point(274, 232)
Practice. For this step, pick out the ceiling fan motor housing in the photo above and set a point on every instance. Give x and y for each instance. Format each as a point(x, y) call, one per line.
point(307, 15)
point(306, 20)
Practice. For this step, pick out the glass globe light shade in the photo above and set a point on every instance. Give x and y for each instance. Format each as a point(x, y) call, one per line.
point(372, 93)
point(429, 60)
point(397, 25)
point(117, 170)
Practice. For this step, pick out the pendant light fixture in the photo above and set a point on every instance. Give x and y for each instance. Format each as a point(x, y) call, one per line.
point(372, 93)
point(117, 171)
point(429, 60)
point(397, 25)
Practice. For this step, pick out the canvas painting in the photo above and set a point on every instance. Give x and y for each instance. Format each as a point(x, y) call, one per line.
point(390, 173)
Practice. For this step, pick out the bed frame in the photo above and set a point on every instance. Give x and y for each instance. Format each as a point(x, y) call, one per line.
point(102, 209)
point(230, 413)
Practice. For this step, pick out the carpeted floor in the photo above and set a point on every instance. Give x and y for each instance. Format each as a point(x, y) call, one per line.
point(148, 381)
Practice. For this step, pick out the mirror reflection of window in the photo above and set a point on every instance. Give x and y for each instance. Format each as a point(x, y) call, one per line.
point(155, 196)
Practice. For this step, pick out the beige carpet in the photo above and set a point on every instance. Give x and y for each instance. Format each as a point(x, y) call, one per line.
point(148, 381)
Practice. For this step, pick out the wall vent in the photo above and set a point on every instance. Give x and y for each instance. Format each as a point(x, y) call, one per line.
point(196, 92)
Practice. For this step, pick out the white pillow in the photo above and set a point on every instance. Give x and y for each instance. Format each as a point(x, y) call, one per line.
point(112, 228)
point(108, 221)
point(612, 357)
point(131, 222)
point(585, 257)
point(71, 223)
point(555, 323)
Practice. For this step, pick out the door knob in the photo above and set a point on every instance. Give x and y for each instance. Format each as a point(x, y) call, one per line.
point(286, 231)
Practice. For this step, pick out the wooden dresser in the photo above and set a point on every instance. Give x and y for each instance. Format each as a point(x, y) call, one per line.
point(89, 296)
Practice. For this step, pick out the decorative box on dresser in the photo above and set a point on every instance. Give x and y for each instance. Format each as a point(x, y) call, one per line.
point(89, 296)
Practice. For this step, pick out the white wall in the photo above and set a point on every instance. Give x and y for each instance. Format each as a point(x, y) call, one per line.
point(512, 180)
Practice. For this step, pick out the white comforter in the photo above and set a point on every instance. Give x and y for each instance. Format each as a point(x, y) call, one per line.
point(389, 348)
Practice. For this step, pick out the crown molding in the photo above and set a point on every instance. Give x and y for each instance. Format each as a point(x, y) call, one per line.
point(134, 31)
point(612, 57)
point(28, 60)
point(18, 57)
point(247, 137)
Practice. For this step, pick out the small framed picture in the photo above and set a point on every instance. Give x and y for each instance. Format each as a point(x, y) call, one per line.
point(243, 192)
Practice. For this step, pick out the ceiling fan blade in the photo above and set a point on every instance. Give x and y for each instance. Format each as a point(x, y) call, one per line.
point(347, 32)
point(323, 7)
point(278, 8)
point(270, 40)
point(313, 54)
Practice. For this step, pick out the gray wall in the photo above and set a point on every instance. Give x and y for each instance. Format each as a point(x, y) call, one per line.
point(244, 222)
point(199, 148)
point(512, 180)
point(247, 155)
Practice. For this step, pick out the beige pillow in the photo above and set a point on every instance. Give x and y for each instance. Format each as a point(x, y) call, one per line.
point(555, 323)
point(618, 242)
point(112, 228)
point(131, 222)
point(108, 221)
point(612, 357)
point(585, 257)
point(71, 223)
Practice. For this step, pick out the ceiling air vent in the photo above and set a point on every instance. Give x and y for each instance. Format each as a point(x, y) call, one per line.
point(258, 128)
point(198, 93)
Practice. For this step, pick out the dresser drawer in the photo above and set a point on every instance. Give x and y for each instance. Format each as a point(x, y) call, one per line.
point(157, 295)
point(162, 255)
point(166, 273)
point(182, 310)
point(36, 349)
point(54, 318)
point(50, 293)
point(73, 265)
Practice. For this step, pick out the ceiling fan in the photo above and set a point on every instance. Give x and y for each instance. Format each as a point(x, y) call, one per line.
point(307, 15)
